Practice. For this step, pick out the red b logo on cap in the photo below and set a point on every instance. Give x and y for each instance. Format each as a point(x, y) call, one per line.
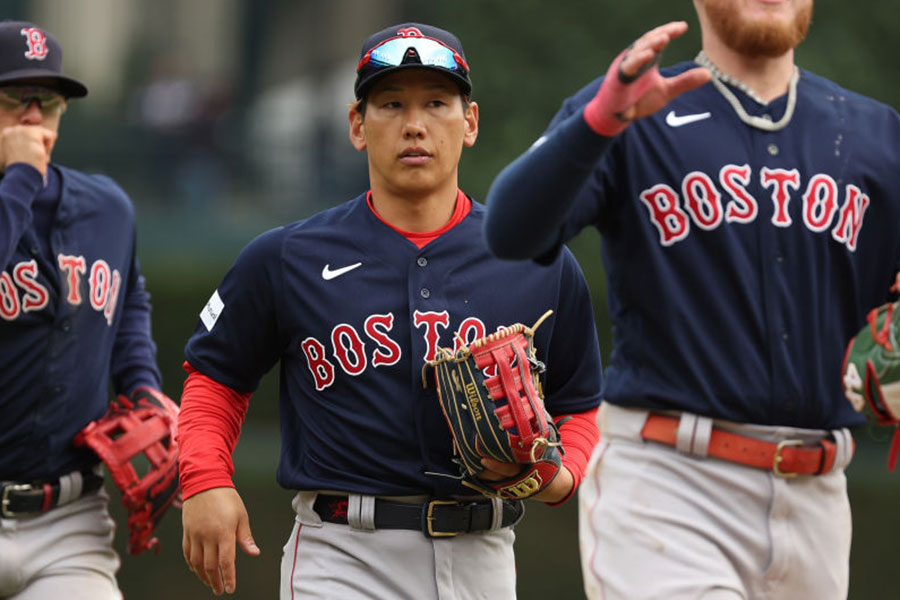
point(37, 43)
point(409, 32)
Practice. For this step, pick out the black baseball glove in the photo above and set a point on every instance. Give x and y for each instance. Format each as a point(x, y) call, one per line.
point(490, 394)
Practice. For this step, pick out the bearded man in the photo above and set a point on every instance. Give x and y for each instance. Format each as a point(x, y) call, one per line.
point(749, 223)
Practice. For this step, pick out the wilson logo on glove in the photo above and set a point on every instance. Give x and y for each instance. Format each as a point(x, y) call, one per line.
point(501, 416)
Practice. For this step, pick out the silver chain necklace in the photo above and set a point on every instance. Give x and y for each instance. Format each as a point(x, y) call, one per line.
point(719, 79)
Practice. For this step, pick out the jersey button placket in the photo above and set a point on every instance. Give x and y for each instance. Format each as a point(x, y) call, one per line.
point(424, 292)
point(772, 275)
point(780, 274)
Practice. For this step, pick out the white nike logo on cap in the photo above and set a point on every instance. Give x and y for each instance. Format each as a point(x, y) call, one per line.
point(328, 274)
point(673, 120)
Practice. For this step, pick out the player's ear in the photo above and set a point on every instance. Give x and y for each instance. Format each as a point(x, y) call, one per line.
point(471, 117)
point(357, 127)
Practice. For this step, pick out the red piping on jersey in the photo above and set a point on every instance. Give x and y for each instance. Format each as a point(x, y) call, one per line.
point(578, 434)
point(208, 428)
point(421, 239)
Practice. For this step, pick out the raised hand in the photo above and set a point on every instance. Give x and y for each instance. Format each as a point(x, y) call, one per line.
point(633, 87)
point(29, 144)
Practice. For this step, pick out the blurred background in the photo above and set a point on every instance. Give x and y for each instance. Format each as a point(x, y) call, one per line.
point(224, 118)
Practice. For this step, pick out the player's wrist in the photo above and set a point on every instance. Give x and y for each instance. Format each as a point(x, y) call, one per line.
point(198, 483)
point(21, 180)
point(559, 490)
point(599, 118)
point(603, 112)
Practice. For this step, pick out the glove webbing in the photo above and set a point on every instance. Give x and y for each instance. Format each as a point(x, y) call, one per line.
point(526, 417)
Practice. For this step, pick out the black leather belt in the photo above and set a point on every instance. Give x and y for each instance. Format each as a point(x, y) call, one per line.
point(21, 500)
point(435, 518)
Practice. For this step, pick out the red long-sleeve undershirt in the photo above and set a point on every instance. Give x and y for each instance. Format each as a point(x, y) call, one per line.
point(578, 434)
point(208, 428)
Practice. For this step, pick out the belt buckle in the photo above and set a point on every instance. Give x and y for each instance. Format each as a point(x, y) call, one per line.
point(429, 519)
point(4, 501)
point(776, 465)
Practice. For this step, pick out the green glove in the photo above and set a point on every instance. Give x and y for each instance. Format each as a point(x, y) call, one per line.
point(871, 371)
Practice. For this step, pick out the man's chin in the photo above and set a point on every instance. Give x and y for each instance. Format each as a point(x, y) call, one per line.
point(771, 35)
point(764, 41)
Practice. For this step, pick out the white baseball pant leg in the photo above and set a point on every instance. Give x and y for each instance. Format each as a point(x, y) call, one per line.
point(659, 523)
point(356, 562)
point(66, 552)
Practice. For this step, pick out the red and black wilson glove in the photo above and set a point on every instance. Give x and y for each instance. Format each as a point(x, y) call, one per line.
point(139, 428)
point(491, 396)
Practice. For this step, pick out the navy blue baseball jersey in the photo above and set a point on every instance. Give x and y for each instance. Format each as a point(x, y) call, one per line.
point(353, 310)
point(74, 315)
point(740, 258)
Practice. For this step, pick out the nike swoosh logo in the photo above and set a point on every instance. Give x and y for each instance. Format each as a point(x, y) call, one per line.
point(673, 120)
point(328, 274)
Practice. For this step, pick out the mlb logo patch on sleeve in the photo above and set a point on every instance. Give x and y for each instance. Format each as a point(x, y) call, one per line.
point(210, 313)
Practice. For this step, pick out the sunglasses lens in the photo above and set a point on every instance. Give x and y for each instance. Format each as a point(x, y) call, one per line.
point(15, 96)
point(393, 52)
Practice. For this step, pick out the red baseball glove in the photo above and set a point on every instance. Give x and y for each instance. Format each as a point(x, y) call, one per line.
point(491, 396)
point(140, 427)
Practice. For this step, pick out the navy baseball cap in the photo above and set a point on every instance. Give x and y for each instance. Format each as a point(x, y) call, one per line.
point(30, 55)
point(411, 45)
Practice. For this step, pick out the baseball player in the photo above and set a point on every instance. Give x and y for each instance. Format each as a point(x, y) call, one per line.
point(74, 317)
point(353, 302)
point(749, 221)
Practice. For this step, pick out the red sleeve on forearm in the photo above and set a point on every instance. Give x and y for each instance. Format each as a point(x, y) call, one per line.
point(208, 428)
point(578, 434)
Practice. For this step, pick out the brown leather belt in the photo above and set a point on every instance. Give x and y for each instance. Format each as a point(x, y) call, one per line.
point(787, 458)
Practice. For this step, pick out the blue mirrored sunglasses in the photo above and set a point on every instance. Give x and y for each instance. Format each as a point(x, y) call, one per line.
point(430, 52)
